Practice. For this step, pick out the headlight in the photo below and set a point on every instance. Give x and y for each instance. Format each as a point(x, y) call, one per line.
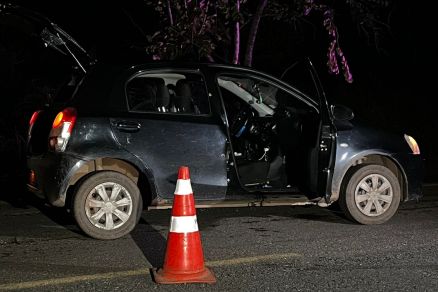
point(412, 144)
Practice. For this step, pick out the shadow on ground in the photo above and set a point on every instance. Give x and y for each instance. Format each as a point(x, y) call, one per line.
point(15, 194)
point(151, 242)
point(151, 231)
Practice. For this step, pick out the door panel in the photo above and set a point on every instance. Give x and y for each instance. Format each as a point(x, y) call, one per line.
point(169, 123)
point(303, 76)
point(165, 145)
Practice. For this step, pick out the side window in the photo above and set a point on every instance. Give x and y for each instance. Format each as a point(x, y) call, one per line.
point(177, 93)
point(263, 97)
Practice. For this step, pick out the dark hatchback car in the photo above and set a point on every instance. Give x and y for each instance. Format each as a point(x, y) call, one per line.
point(114, 145)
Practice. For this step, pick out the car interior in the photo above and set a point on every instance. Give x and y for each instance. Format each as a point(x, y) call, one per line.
point(274, 135)
point(33, 75)
point(168, 93)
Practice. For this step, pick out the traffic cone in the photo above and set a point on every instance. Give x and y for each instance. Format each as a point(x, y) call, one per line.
point(184, 259)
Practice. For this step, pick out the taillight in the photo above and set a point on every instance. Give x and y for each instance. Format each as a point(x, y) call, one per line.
point(32, 120)
point(61, 129)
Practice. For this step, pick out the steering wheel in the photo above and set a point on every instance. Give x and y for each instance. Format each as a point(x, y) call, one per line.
point(241, 123)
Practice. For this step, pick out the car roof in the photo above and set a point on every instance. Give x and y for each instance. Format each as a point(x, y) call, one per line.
point(147, 63)
point(129, 67)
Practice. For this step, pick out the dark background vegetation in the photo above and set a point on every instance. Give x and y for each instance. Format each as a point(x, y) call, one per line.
point(394, 80)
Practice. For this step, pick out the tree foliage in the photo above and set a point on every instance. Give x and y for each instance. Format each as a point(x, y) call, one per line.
point(208, 29)
point(372, 18)
point(192, 27)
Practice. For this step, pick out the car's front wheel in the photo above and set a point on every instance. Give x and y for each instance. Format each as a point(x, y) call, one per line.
point(371, 195)
point(107, 205)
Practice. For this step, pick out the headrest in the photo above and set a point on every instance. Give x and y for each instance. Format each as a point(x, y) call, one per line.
point(163, 97)
point(183, 88)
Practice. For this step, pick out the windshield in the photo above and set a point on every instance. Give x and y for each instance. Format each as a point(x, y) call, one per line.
point(256, 94)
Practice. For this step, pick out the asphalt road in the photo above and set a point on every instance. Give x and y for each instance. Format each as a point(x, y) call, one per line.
point(249, 249)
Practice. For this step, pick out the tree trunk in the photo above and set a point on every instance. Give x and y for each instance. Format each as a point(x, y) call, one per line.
point(237, 36)
point(253, 32)
point(169, 11)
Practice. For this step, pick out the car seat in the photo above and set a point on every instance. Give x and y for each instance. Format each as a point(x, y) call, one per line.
point(183, 98)
point(141, 94)
point(162, 98)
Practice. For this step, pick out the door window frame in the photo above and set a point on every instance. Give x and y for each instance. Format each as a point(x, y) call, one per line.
point(168, 114)
point(276, 83)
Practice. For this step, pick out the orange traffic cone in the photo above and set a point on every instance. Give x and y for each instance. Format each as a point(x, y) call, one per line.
point(184, 259)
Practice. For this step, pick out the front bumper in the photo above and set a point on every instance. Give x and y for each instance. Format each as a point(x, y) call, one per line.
point(413, 167)
point(50, 174)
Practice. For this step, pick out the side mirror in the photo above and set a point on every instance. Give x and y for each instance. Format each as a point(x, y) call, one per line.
point(342, 113)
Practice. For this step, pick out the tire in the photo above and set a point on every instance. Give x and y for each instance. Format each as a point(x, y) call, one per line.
point(371, 195)
point(99, 214)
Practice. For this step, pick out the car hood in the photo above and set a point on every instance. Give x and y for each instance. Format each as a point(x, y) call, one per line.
point(49, 33)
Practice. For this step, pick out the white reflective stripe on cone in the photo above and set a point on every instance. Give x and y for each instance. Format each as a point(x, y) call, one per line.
point(183, 187)
point(183, 224)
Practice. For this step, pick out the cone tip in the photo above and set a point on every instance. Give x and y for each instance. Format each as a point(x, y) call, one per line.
point(183, 172)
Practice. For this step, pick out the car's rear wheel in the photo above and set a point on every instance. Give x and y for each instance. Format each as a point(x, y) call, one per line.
point(107, 205)
point(371, 195)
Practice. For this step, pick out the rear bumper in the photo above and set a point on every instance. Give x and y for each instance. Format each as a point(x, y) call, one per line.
point(50, 174)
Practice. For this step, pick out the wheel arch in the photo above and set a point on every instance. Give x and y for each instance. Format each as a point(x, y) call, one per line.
point(143, 179)
point(371, 158)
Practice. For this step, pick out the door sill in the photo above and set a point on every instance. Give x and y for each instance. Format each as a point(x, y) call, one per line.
point(266, 201)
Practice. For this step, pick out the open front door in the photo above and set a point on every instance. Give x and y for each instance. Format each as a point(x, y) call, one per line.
point(327, 144)
point(280, 138)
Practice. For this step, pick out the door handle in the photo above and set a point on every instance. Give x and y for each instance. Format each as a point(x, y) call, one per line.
point(127, 126)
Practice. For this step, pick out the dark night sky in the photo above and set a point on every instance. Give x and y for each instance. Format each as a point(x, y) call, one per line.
point(394, 89)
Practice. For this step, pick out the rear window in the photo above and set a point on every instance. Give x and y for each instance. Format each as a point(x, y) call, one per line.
point(95, 92)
